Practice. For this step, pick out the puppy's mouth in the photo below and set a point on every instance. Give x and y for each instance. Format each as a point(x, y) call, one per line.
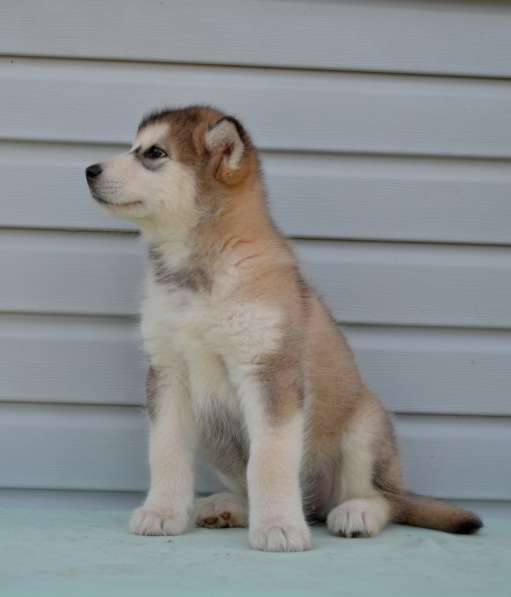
point(111, 204)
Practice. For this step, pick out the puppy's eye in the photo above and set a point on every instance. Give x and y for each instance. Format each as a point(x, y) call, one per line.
point(154, 153)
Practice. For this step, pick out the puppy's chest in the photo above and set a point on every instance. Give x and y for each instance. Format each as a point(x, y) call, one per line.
point(184, 326)
point(177, 317)
point(183, 320)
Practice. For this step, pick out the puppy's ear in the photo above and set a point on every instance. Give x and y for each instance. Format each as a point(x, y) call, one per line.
point(227, 143)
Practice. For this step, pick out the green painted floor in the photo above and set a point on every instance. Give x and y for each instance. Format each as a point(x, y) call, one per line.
point(90, 554)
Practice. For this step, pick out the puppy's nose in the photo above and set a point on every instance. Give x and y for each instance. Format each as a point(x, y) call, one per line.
point(93, 171)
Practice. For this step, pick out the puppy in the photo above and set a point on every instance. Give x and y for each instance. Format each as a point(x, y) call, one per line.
point(246, 363)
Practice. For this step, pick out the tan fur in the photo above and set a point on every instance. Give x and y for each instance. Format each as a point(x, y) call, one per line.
point(431, 514)
point(262, 363)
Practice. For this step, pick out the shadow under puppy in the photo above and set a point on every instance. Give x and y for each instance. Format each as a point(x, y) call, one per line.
point(247, 364)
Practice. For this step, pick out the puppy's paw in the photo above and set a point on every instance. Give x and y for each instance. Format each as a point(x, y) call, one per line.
point(148, 522)
point(221, 510)
point(280, 537)
point(363, 517)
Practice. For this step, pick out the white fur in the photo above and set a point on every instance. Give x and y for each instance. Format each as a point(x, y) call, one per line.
point(157, 200)
point(364, 517)
point(172, 447)
point(195, 324)
point(276, 515)
point(223, 135)
point(152, 134)
point(201, 329)
point(361, 510)
point(218, 340)
point(206, 345)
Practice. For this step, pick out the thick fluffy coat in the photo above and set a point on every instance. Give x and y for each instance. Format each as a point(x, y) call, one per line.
point(247, 364)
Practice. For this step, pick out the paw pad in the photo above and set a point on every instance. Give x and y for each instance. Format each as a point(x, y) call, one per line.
point(222, 510)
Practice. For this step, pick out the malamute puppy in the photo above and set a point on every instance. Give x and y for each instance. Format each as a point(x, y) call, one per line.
point(247, 364)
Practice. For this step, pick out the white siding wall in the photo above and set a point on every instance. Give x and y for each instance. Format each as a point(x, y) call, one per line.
point(385, 130)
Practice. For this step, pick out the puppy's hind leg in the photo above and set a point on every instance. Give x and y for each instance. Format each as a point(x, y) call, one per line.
point(361, 510)
point(360, 517)
point(222, 510)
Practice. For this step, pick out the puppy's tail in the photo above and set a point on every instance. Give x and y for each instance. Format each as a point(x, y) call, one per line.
point(432, 514)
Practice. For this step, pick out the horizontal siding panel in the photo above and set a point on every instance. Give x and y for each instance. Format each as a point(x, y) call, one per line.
point(66, 359)
point(456, 457)
point(380, 198)
point(43, 186)
point(104, 448)
point(429, 37)
point(96, 102)
point(93, 273)
point(411, 284)
point(351, 197)
point(100, 360)
point(73, 447)
point(436, 371)
point(70, 273)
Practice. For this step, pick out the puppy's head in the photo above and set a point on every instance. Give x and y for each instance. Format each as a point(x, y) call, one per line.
point(183, 164)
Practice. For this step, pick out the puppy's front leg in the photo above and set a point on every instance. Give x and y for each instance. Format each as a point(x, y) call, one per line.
point(275, 425)
point(172, 447)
